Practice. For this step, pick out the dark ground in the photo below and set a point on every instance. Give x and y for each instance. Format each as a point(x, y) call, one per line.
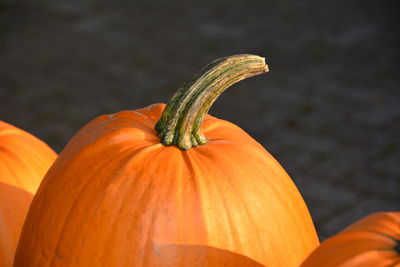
point(329, 110)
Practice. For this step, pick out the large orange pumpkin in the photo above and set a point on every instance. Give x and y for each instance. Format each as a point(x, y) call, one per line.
point(372, 241)
point(24, 160)
point(187, 194)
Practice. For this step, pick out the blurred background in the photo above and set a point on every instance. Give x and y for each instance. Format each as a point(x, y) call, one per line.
point(328, 110)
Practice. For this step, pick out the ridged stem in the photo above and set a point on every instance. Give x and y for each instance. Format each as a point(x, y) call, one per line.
point(180, 123)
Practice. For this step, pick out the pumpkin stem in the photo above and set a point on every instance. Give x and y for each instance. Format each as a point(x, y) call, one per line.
point(180, 123)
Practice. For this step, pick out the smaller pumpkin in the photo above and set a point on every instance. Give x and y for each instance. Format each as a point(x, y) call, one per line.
point(24, 160)
point(371, 241)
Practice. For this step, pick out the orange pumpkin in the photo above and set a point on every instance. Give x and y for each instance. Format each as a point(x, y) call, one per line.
point(372, 241)
point(24, 160)
point(198, 191)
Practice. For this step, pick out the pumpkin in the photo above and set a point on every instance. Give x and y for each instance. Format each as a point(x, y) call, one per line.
point(169, 185)
point(371, 241)
point(24, 160)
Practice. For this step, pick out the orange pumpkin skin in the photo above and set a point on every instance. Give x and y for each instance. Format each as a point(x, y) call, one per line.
point(372, 241)
point(117, 197)
point(24, 160)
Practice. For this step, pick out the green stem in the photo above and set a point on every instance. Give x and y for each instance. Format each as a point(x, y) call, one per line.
point(180, 123)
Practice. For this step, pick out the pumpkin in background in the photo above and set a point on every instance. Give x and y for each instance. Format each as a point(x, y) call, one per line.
point(372, 241)
point(169, 186)
point(24, 160)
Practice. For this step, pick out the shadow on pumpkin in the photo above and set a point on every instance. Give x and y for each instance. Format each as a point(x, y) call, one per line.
point(14, 204)
point(13, 200)
point(196, 255)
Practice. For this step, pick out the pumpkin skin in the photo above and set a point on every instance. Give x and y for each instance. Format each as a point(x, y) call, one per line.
point(372, 241)
point(24, 160)
point(117, 197)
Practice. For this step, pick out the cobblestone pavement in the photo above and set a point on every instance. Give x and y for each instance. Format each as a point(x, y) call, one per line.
point(328, 110)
